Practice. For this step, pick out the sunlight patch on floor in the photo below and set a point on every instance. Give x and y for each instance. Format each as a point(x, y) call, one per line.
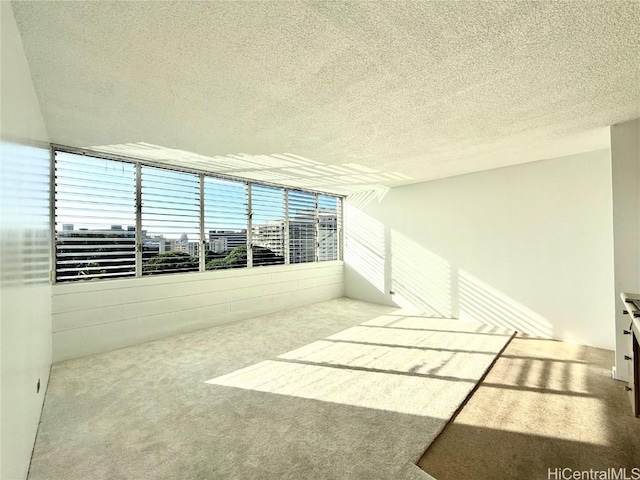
point(381, 391)
point(412, 365)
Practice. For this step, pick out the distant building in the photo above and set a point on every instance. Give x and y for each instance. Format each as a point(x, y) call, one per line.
point(270, 235)
point(179, 246)
point(225, 240)
point(302, 241)
point(302, 237)
point(160, 244)
point(170, 245)
point(152, 243)
point(327, 236)
point(113, 231)
point(193, 248)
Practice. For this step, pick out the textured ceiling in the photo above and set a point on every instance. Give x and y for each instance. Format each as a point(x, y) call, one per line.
point(418, 90)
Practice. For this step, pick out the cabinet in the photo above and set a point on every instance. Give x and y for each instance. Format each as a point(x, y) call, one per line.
point(632, 355)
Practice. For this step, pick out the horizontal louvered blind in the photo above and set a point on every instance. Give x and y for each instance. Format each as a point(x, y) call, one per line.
point(225, 223)
point(302, 226)
point(170, 221)
point(268, 225)
point(96, 221)
point(328, 224)
point(94, 218)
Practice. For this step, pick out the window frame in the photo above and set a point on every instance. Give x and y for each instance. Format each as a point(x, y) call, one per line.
point(168, 196)
point(202, 175)
point(100, 248)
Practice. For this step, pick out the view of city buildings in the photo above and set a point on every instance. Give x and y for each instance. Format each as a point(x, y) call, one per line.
point(226, 240)
point(101, 233)
point(302, 239)
point(302, 235)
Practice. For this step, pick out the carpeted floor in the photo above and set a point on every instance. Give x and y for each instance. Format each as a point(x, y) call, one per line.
point(266, 398)
point(544, 405)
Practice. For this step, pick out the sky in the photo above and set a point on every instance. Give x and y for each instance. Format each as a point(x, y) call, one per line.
point(97, 193)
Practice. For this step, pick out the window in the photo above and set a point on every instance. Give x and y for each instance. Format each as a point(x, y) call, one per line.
point(328, 224)
point(95, 218)
point(225, 223)
point(302, 226)
point(170, 221)
point(268, 225)
point(119, 218)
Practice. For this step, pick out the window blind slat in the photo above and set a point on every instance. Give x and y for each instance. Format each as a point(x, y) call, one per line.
point(225, 223)
point(268, 225)
point(328, 221)
point(95, 221)
point(170, 221)
point(94, 217)
point(302, 229)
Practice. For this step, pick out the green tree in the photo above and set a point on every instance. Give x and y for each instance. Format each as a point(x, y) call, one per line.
point(87, 254)
point(238, 258)
point(171, 262)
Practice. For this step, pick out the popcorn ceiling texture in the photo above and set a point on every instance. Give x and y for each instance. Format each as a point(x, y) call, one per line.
point(425, 89)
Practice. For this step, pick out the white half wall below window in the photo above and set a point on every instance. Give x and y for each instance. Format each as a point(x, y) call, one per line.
point(92, 317)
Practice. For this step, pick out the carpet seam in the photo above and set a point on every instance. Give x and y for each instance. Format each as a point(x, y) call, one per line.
point(466, 400)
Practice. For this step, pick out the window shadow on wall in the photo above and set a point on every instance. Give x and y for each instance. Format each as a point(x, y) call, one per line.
point(424, 282)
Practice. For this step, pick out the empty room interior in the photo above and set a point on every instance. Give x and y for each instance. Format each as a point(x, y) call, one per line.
point(320, 240)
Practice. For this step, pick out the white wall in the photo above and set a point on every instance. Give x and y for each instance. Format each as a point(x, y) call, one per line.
point(25, 292)
point(529, 247)
point(625, 166)
point(92, 317)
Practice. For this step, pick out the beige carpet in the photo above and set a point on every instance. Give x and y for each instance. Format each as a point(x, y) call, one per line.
point(301, 394)
point(545, 404)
